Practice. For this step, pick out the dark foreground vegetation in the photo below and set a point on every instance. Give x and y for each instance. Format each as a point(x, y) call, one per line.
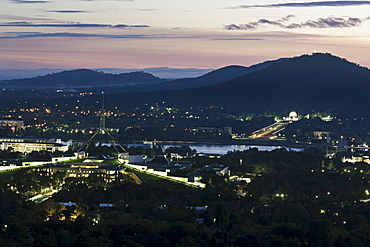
point(294, 199)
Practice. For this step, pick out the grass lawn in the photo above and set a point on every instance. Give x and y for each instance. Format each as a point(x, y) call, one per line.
point(145, 176)
point(7, 173)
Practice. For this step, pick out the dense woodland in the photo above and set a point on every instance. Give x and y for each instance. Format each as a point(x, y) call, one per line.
point(294, 199)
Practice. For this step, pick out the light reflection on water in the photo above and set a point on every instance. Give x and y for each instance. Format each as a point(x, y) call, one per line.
point(223, 149)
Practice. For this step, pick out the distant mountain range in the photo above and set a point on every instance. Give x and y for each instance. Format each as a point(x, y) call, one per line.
point(317, 82)
point(81, 78)
point(161, 72)
point(214, 77)
point(132, 82)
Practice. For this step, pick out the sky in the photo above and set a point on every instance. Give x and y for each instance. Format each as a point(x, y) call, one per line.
point(200, 34)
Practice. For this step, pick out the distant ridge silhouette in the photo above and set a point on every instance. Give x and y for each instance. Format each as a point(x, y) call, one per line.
point(82, 78)
point(134, 81)
point(320, 82)
point(317, 82)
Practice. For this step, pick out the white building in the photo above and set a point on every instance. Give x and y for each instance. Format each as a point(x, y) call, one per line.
point(293, 116)
point(30, 144)
point(12, 123)
point(357, 158)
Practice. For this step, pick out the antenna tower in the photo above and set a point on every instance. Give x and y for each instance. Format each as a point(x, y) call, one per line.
point(102, 130)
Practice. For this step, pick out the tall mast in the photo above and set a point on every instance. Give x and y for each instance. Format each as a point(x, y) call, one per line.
point(102, 130)
point(102, 114)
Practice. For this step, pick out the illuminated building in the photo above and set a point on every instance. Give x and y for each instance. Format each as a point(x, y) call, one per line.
point(293, 116)
point(31, 144)
point(356, 158)
point(11, 124)
point(216, 131)
point(322, 134)
point(331, 147)
point(110, 172)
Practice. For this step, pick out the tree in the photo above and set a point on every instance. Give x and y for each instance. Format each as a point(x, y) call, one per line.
point(321, 233)
point(288, 230)
point(221, 216)
point(53, 209)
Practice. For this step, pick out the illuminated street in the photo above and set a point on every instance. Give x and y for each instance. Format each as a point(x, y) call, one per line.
point(269, 132)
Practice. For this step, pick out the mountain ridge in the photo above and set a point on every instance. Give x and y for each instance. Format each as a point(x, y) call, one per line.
point(82, 78)
point(320, 82)
point(220, 75)
point(132, 81)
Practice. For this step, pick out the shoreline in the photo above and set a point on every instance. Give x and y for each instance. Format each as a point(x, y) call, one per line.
point(238, 142)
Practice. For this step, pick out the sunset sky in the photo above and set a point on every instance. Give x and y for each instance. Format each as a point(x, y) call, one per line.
point(201, 34)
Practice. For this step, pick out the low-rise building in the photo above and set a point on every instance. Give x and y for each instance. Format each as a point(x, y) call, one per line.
point(144, 145)
point(331, 147)
point(211, 156)
point(11, 124)
point(219, 131)
point(161, 163)
point(161, 166)
point(31, 144)
point(356, 158)
point(322, 134)
point(110, 172)
point(219, 169)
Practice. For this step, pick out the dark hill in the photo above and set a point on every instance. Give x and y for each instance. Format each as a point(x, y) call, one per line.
point(320, 82)
point(82, 78)
point(133, 82)
point(220, 75)
point(214, 77)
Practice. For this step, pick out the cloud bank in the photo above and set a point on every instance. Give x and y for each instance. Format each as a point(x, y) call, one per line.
point(102, 0)
point(329, 22)
point(25, 1)
point(23, 35)
point(79, 25)
point(17, 35)
point(68, 11)
point(309, 4)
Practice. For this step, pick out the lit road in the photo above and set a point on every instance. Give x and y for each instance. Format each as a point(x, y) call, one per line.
point(39, 198)
point(42, 197)
point(269, 132)
point(4, 168)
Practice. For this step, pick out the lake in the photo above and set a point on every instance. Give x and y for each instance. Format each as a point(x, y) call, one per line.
point(223, 149)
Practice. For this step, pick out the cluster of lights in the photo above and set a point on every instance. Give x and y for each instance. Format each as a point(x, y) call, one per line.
point(29, 109)
point(281, 195)
point(40, 125)
point(86, 93)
